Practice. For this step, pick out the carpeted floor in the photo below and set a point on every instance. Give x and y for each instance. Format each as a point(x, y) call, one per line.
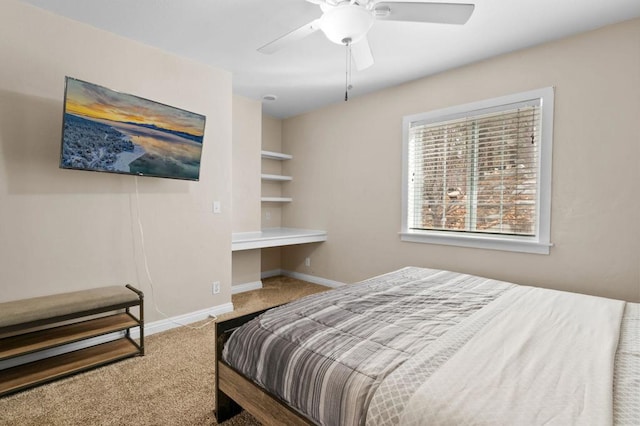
point(171, 385)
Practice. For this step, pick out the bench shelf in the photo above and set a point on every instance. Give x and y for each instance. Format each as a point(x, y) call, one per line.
point(23, 344)
point(38, 330)
point(38, 372)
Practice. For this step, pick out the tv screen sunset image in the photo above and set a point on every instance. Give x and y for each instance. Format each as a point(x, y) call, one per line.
point(108, 131)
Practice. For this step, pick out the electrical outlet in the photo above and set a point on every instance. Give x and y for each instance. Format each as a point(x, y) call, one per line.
point(216, 287)
point(307, 261)
point(267, 216)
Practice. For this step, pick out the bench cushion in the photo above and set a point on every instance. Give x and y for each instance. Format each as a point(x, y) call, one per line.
point(45, 307)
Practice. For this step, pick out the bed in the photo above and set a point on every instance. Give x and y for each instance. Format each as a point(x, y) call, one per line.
point(424, 346)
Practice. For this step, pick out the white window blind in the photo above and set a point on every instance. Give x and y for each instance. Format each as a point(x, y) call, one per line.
point(478, 172)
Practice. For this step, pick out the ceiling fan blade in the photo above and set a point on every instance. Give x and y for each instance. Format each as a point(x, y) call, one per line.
point(361, 54)
point(292, 37)
point(439, 13)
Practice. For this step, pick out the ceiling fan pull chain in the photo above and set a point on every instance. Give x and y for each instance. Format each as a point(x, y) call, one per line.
point(347, 77)
point(346, 73)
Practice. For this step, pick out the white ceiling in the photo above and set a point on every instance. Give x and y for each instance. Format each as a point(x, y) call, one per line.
point(311, 73)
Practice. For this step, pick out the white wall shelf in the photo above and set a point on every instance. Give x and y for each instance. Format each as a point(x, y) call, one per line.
point(276, 199)
point(275, 237)
point(278, 178)
point(275, 155)
point(271, 155)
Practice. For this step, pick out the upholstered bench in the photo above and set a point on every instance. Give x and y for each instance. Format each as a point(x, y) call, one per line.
point(42, 323)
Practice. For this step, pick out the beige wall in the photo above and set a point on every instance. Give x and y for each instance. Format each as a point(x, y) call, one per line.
point(247, 135)
point(347, 170)
point(63, 230)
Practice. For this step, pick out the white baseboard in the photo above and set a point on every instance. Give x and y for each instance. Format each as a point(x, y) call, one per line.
point(312, 279)
point(241, 288)
point(149, 329)
point(271, 273)
point(300, 276)
point(180, 320)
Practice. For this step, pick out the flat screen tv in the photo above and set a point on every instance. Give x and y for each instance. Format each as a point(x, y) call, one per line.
point(108, 131)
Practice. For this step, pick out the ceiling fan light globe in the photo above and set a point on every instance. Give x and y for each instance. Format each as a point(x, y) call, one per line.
point(346, 22)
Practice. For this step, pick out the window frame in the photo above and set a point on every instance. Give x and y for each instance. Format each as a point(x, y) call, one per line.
point(540, 243)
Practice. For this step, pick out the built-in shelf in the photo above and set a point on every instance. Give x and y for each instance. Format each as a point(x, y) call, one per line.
point(276, 199)
point(275, 237)
point(278, 178)
point(275, 155)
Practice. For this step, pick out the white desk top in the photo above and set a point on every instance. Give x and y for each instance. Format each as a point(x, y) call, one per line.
point(275, 237)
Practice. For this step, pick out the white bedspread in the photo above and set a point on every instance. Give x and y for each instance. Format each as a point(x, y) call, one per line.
point(544, 357)
point(429, 347)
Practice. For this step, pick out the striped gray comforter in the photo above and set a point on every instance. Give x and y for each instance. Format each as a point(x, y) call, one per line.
point(327, 355)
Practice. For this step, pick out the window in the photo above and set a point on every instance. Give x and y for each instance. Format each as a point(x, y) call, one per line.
point(479, 175)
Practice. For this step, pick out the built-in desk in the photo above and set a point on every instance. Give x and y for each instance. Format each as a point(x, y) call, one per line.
point(275, 237)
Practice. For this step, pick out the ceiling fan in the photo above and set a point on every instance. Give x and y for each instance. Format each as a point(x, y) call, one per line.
point(346, 22)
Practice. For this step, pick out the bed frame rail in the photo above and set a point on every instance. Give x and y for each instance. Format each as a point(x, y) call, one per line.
point(234, 391)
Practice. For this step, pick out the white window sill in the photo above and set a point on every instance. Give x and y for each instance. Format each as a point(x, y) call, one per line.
point(490, 242)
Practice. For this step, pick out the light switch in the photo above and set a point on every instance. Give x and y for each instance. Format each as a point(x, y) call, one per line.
point(216, 206)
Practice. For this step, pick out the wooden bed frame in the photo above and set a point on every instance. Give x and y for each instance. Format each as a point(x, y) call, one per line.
point(234, 391)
